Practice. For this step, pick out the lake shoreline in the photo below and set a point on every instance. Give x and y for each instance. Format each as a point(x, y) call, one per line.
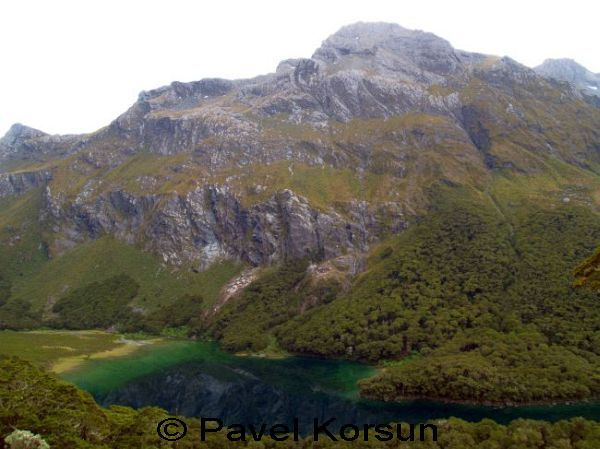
point(127, 347)
point(295, 379)
point(124, 346)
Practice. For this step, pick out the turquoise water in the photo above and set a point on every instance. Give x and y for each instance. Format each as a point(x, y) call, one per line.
point(197, 379)
point(101, 377)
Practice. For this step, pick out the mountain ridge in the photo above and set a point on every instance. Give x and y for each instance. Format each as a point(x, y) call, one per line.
point(377, 105)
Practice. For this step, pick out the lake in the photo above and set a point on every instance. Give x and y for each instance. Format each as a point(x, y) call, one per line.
point(197, 379)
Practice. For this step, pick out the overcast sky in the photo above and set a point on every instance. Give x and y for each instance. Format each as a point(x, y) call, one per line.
point(73, 66)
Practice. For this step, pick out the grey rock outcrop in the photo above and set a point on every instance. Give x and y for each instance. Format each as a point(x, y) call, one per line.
point(363, 70)
point(19, 183)
point(571, 72)
point(390, 49)
point(22, 143)
point(209, 224)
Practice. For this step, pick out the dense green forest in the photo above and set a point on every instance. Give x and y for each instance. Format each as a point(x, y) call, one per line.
point(5, 287)
point(274, 298)
point(475, 302)
point(97, 305)
point(488, 366)
point(106, 304)
point(67, 418)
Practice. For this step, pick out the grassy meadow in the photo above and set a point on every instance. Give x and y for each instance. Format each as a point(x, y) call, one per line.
point(61, 351)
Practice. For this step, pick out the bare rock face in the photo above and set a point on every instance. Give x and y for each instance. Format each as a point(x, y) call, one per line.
point(18, 183)
point(392, 49)
point(23, 143)
point(16, 140)
point(571, 72)
point(210, 224)
point(364, 70)
point(18, 134)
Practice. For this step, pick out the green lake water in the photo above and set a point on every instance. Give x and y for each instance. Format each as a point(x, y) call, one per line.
point(198, 379)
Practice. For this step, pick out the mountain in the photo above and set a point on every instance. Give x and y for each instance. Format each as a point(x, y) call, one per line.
point(573, 73)
point(389, 197)
point(223, 169)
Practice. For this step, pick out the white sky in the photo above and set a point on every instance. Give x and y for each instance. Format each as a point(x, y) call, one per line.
point(73, 66)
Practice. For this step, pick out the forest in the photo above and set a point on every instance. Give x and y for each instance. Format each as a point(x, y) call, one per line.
point(472, 303)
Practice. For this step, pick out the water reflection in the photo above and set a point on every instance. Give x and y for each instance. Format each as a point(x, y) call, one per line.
point(203, 381)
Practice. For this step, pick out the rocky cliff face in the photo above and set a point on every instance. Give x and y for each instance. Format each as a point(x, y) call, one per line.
point(326, 155)
point(209, 223)
point(21, 182)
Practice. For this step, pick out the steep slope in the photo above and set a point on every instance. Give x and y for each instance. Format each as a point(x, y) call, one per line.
point(474, 303)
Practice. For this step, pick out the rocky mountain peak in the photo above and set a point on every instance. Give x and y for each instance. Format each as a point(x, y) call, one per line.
point(19, 132)
point(16, 137)
point(390, 46)
point(364, 37)
point(568, 70)
point(29, 144)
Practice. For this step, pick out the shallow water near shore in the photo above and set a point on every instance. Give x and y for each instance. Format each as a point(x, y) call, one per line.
point(197, 379)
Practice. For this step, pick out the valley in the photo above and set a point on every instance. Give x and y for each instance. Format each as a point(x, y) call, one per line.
point(391, 229)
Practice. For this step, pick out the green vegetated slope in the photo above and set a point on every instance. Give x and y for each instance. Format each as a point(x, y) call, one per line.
point(100, 259)
point(96, 284)
point(44, 348)
point(23, 248)
point(68, 418)
point(23, 252)
point(479, 292)
point(273, 299)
